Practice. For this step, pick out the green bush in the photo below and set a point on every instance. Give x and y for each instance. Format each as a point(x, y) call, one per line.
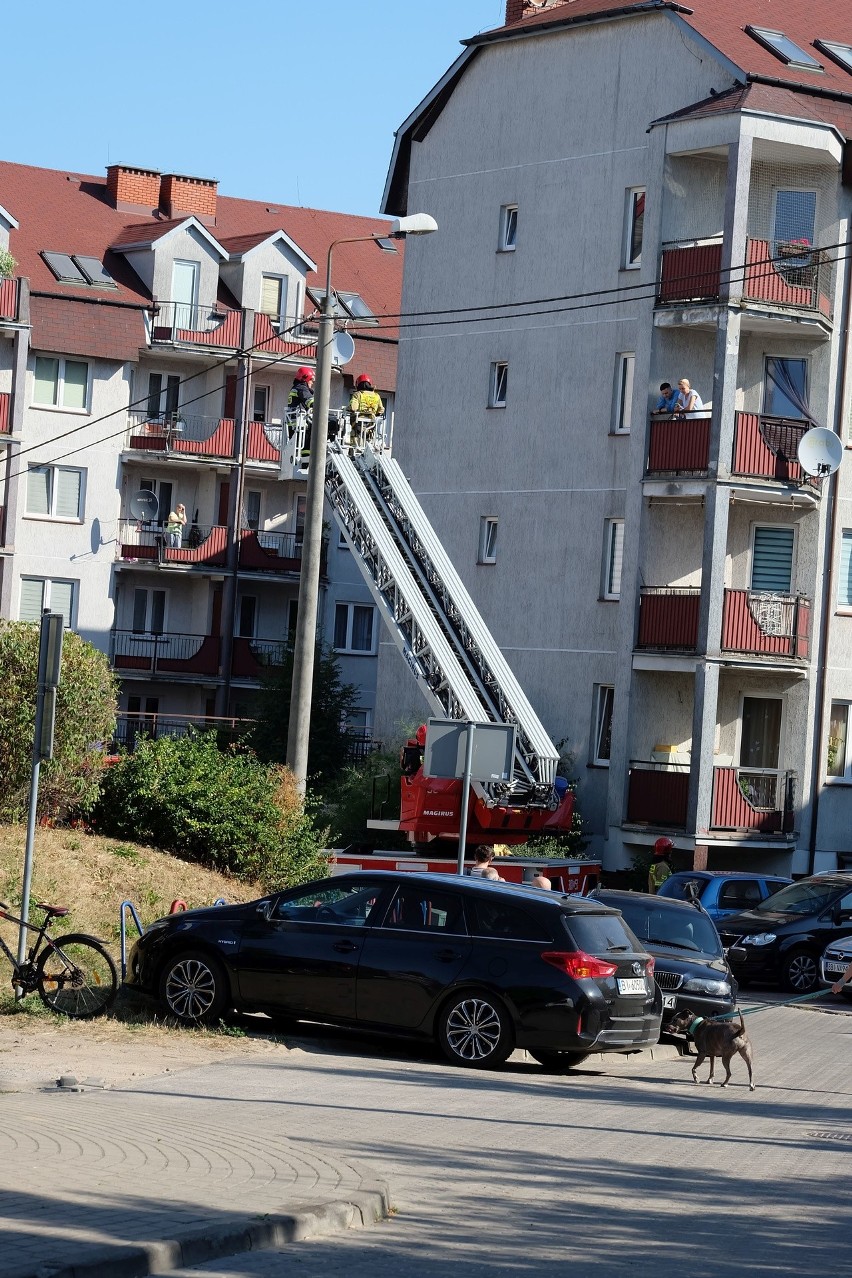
point(349, 804)
point(85, 722)
point(223, 809)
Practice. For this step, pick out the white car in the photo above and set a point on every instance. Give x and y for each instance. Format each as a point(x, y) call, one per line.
point(834, 962)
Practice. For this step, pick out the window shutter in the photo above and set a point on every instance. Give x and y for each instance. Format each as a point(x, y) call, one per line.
point(38, 490)
point(68, 486)
point(616, 557)
point(32, 597)
point(62, 599)
point(844, 587)
point(772, 560)
point(76, 383)
point(270, 296)
point(46, 380)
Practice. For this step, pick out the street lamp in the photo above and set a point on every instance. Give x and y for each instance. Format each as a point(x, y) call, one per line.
point(306, 616)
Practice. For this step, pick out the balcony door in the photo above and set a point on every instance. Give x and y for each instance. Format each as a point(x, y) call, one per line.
point(185, 293)
point(785, 388)
point(760, 732)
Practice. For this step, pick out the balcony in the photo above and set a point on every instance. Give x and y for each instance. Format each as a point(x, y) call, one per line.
point(130, 728)
point(5, 412)
point(767, 448)
point(151, 654)
point(657, 796)
point(140, 542)
point(269, 551)
point(789, 275)
point(252, 658)
point(766, 625)
point(9, 297)
point(690, 271)
point(175, 433)
point(678, 445)
point(186, 325)
point(755, 800)
point(668, 618)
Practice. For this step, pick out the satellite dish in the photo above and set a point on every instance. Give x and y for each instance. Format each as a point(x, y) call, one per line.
point(820, 451)
point(144, 504)
point(342, 348)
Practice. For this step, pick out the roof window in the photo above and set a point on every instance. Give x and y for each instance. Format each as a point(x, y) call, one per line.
point(840, 53)
point(75, 268)
point(784, 48)
point(345, 305)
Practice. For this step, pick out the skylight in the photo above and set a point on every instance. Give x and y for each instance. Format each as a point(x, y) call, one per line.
point(784, 48)
point(64, 269)
point(841, 53)
point(95, 271)
point(358, 308)
point(76, 268)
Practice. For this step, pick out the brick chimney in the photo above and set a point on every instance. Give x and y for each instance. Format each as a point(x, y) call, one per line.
point(514, 11)
point(181, 196)
point(518, 9)
point(132, 189)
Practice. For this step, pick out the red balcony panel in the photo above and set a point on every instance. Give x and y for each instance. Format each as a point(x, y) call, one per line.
point(677, 445)
point(668, 619)
point(133, 661)
point(761, 624)
point(657, 797)
point(155, 442)
point(767, 279)
point(212, 550)
point(205, 661)
point(9, 299)
point(267, 341)
point(5, 412)
point(753, 799)
point(258, 447)
point(219, 444)
point(251, 658)
point(766, 447)
point(281, 553)
point(134, 550)
point(690, 273)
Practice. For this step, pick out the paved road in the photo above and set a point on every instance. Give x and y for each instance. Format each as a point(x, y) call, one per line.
point(628, 1171)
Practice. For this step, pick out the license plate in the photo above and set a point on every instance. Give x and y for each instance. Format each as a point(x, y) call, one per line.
point(836, 969)
point(631, 985)
point(669, 1000)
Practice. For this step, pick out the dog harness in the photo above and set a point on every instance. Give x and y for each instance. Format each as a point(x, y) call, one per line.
point(699, 1020)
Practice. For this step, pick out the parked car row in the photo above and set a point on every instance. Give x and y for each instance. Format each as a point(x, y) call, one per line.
point(483, 967)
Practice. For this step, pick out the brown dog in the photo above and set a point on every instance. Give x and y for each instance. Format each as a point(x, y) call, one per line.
point(715, 1038)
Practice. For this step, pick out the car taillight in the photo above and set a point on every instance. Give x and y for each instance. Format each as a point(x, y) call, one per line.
point(578, 964)
point(652, 963)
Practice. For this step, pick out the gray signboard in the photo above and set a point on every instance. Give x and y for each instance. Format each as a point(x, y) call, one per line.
point(446, 750)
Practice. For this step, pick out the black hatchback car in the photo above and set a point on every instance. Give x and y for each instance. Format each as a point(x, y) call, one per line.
point(783, 938)
point(690, 964)
point(480, 967)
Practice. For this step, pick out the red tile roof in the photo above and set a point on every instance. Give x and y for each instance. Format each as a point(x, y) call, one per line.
point(771, 99)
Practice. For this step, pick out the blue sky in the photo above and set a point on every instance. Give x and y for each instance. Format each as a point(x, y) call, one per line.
point(294, 101)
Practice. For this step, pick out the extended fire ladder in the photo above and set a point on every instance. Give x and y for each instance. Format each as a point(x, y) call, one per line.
point(430, 614)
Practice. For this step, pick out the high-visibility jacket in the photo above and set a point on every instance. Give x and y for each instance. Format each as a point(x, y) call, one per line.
point(658, 873)
point(301, 396)
point(366, 403)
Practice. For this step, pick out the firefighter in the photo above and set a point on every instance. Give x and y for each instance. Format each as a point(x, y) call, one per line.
point(301, 401)
point(661, 868)
point(365, 406)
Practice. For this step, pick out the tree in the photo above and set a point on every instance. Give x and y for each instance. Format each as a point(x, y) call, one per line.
point(85, 723)
point(332, 703)
point(349, 806)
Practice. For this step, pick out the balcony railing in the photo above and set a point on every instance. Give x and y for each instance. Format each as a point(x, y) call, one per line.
point(764, 624)
point(253, 657)
point(758, 799)
point(677, 445)
point(788, 275)
point(690, 271)
point(148, 653)
point(176, 433)
point(668, 618)
point(270, 551)
point(5, 412)
point(9, 293)
point(131, 728)
point(140, 541)
point(196, 325)
point(656, 795)
point(767, 448)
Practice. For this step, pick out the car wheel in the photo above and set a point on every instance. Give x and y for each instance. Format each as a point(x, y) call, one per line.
point(194, 988)
point(800, 972)
point(558, 1062)
point(474, 1029)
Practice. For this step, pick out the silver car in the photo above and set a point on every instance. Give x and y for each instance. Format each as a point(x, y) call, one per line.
point(834, 962)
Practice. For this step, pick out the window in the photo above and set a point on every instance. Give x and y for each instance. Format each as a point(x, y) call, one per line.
point(602, 745)
point(506, 922)
point(292, 620)
point(838, 763)
point(418, 909)
point(349, 904)
point(247, 621)
point(487, 539)
point(625, 365)
point(794, 225)
point(162, 490)
point(163, 396)
point(614, 556)
point(72, 268)
point(772, 559)
point(508, 240)
point(273, 296)
point(252, 511)
point(353, 628)
point(784, 48)
point(185, 293)
point(785, 387)
point(299, 522)
point(38, 593)
point(55, 491)
point(61, 383)
point(260, 404)
point(635, 227)
point(844, 585)
point(149, 612)
point(760, 732)
point(740, 894)
point(499, 385)
point(841, 53)
point(358, 308)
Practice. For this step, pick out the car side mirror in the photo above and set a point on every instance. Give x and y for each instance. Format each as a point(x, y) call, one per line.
point(840, 916)
point(264, 908)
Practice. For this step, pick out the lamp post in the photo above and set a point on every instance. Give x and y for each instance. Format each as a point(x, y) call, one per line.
point(306, 616)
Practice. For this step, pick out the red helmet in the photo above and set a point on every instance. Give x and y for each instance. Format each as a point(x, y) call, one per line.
point(304, 375)
point(364, 381)
point(420, 735)
point(662, 846)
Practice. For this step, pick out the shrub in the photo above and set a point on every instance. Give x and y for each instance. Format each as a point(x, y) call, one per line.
point(7, 264)
point(349, 804)
point(85, 721)
point(223, 809)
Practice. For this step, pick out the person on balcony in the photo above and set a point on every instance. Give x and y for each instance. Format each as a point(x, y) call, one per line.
point(689, 401)
point(300, 403)
point(365, 407)
point(175, 525)
point(661, 866)
point(667, 403)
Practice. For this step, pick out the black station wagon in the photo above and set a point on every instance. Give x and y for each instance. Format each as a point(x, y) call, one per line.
point(480, 967)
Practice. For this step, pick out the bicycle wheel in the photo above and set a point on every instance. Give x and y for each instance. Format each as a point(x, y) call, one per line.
point(76, 976)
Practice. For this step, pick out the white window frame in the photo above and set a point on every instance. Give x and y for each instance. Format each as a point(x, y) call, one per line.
point(238, 634)
point(508, 239)
point(255, 492)
point(602, 692)
point(610, 589)
point(844, 777)
point(150, 591)
point(58, 406)
point(52, 491)
point(163, 411)
point(349, 651)
point(844, 609)
point(625, 374)
point(782, 725)
point(498, 383)
point(793, 556)
point(632, 197)
point(47, 583)
point(487, 553)
point(283, 290)
point(267, 391)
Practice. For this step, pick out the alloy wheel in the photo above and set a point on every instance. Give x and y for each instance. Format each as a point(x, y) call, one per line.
point(190, 989)
point(473, 1029)
point(802, 973)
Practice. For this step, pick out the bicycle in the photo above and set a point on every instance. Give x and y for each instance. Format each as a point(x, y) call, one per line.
point(74, 975)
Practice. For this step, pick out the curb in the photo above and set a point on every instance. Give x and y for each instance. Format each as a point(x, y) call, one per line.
point(659, 1052)
point(365, 1207)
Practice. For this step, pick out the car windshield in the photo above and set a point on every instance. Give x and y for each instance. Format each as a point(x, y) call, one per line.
point(800, 898)
point(681, 929)
point(683, 889)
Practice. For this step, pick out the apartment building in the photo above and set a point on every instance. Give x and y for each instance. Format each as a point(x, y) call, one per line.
point(631, 194)
point(148, 344)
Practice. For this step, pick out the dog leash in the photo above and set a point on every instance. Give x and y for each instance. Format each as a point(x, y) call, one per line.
point(767, 1007)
